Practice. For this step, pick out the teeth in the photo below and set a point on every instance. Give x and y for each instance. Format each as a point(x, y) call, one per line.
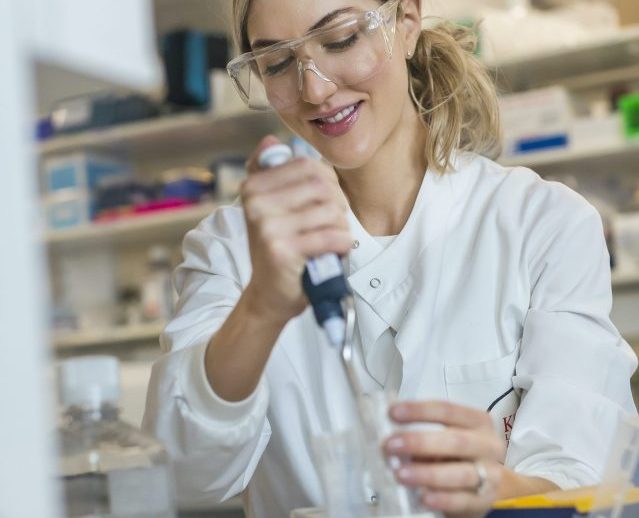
point(341, 115)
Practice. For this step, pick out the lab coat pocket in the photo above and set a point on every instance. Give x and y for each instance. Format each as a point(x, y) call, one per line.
point(487, 386)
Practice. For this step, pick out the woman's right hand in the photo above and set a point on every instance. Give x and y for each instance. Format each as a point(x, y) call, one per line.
point(293, 212)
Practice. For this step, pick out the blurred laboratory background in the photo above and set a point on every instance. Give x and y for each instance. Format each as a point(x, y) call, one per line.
point(123, 175)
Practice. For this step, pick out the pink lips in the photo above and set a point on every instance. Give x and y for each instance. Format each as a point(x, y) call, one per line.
point(342, 127)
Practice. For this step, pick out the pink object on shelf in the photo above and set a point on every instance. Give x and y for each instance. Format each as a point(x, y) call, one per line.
point(142, 209)
point(154, 206)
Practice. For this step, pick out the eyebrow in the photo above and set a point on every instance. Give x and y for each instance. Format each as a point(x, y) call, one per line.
point(259, 44)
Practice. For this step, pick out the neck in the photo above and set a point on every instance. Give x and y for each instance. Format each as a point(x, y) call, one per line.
point(382, 193)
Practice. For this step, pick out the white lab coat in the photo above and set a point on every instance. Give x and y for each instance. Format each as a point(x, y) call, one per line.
point(498, 281)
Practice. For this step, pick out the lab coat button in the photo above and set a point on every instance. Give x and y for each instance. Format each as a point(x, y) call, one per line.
point(375, 283)
point(355, 244)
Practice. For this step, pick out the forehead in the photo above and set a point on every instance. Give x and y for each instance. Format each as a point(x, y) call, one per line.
point(288, 19)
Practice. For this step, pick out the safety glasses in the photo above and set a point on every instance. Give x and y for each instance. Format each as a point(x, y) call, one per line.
point(345, 53)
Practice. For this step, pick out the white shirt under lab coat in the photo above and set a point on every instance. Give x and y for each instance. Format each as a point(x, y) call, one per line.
point(496, 294)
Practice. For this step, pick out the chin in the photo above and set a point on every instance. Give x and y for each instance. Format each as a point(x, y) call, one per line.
point(347, 156)
point(350, 151)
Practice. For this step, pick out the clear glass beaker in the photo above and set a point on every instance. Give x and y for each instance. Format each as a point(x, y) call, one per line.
point(394, 500)
point(340, 460)
point(353, 463)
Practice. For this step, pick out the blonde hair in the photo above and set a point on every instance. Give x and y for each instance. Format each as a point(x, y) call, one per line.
point(451, 89)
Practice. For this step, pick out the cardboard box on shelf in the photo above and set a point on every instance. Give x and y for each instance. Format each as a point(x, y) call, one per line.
point(628, 11)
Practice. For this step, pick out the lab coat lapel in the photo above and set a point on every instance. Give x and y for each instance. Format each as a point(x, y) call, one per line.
point(391, 282)
point(369, 324)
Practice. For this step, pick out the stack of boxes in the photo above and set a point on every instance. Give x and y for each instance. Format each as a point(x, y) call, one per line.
point(70, 183)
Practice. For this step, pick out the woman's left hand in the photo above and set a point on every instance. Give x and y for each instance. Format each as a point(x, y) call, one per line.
point(458, 468)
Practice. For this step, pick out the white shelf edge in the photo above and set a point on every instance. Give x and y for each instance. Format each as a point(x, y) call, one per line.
point(107, 336)
point(563, 156)
point(131, 225)
point(111, 135)
point(623, 35)
point(625, 281)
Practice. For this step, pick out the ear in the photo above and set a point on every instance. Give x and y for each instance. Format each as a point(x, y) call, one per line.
point(409, 23)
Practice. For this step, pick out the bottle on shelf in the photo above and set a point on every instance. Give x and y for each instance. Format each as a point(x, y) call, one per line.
point(108, 468)
point(158, 297)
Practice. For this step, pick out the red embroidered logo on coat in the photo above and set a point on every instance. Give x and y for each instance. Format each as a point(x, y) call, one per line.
point(508, 426)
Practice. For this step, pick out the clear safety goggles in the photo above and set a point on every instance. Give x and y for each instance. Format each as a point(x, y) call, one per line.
point(345, 53)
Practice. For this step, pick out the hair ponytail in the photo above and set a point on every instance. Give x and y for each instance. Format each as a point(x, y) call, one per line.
point(454, 95)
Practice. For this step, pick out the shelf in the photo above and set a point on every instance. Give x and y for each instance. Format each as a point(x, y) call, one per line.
point(163, 225)
point(593, 160)
point(620, 282)
point(177, 134)
point(108, 337)
point(616, 52)
point(151, 331)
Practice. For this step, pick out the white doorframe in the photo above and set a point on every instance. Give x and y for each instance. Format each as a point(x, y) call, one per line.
point(26, 449)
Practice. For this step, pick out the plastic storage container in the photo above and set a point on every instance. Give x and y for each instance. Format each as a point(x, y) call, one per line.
point(70, 183)
point(67, 208)
point(158, 297)
point(82, 171)
point(108, 468)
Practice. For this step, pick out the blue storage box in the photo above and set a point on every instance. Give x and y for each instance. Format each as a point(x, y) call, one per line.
point(81, 171)
point(67, 208)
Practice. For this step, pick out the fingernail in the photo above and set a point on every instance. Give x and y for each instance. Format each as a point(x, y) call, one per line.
point(395, 443)
point(404, 473)
point(398, 411)
point(430, 499)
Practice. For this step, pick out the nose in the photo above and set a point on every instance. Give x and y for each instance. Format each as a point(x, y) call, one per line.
point(315, 87)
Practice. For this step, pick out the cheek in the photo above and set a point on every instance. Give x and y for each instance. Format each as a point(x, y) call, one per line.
point(294, 123)
point(393, 84)
point(389, 92)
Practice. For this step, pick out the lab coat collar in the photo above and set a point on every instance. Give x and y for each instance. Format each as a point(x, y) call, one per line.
point(386, 282)
point(384, 277)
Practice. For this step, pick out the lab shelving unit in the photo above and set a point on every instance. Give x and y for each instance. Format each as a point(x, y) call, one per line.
point(179, 134)
point(67, 340)
point(586, 70)
point(152, 146)
point(181, 140)
point(160, 226)
point(187, 139)
point(600, 61)
point(596, 159)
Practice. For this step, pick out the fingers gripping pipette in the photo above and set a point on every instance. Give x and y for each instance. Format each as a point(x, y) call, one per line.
point(325, 286)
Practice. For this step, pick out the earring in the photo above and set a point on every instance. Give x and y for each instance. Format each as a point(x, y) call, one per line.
point(409, 54)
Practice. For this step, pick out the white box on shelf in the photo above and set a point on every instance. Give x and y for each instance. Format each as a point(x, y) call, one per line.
point(596, 132)
point(626, 242)
point(81, 170)
point(67, 208)
point(536, 120)
point(88, 285)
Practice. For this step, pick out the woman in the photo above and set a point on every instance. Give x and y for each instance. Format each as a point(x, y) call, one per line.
point(482, 294)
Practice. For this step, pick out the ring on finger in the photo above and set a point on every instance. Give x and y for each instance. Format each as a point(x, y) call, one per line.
point(482, 476)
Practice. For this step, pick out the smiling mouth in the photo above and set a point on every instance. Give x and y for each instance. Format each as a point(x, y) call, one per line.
point(339, 116)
